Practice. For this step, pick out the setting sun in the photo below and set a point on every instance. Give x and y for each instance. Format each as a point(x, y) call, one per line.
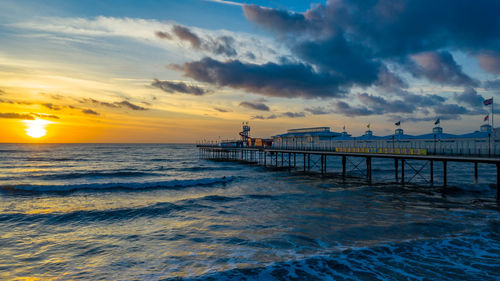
point(36, 128)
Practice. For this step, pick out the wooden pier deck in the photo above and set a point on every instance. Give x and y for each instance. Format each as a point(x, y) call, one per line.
point(288, 158)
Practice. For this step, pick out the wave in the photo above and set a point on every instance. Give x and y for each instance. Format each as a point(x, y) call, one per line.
point(155, 210)
point(95, 174)
point(459, 257)
point(117, 185)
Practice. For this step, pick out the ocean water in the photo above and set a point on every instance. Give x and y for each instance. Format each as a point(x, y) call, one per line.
point(158, 212)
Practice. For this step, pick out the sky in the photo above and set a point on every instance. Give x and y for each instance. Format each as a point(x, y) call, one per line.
point(186, 71)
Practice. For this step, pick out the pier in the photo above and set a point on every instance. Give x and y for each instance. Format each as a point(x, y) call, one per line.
point(316, 161)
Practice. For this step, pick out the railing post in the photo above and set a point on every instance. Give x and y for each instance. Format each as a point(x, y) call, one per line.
point(344, 162)
point(432, 172)
point(402, 171)
point(445, 172)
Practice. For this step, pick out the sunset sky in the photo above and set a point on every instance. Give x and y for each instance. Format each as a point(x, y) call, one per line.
point(183, 71)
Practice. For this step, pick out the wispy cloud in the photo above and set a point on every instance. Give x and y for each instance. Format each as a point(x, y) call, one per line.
point(178, 87)
point(254, 105)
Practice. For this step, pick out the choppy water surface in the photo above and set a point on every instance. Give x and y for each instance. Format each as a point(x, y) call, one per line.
point(155, 212)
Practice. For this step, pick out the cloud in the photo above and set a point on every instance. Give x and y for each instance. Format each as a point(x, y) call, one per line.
point(355, 41)
point(121, 104)
point(293, 114)
point(185, 34)
point(490, 61)
point(43, 115)
point(11, 115)
point(492, 84)
point(223, 110)
point(178, 87)
point(270, 79)
point(470, 97)
point(89, 111)
point(2, 92)
point(381, 105)
point(318, 110)
point(347, 110)
point(260, 117)
point(256, 106)
point(219, 45)
point(439, 67)
point(130, 105)
point(163, 35)
point(408, 119)
point(451, 109)
point(52, 106)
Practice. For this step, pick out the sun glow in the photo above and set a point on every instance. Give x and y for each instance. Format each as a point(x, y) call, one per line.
point(36, 128)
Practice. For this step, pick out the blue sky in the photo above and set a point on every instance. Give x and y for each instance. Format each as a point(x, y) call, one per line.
point(202, 67)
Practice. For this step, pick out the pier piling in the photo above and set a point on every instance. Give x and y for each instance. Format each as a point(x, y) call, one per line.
point(261, 155)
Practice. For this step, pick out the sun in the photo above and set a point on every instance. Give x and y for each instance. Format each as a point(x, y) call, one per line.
point(36, 128)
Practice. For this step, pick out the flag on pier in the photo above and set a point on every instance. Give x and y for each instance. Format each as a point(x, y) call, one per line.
point(368, 126)
point(488, 101)
point(437, 122)
point(486, 118)
point(398, 123)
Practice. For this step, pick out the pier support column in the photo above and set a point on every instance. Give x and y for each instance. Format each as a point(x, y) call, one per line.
point(265, 158)
point(402, 171)
point(294, 160)
point(498, 182)
point(276, 159)
point(445, 174)
point(432, 172)
point(322, 163)
point(289, 160)
point(325, 164)
point(369, 169)
point(396, 168)
point(475, 173)
point(344, 162)
point(282, 159)
point(308, 162)
point(304, 162)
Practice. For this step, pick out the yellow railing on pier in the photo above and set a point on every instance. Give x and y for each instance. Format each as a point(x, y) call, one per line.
point(404, 151)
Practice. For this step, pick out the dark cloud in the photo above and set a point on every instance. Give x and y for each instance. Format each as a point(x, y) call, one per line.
point(52, 106)
point(409, 119)
point(490, 61)
point(470, 97)
point(163, 35)
point(492, 84)
point(122, 104)
point(439, 67)
point(347, 110)
point(1, 92)
point(185, 34)
point(178, 87)
point(354, 40)
point(293, 114)
point(223, 110)
point(90, 111)
point(260, 117)
point(11, 115)
point(278, 20)
point(270, 79)
point(221, 45)
point(451, 109)
point(101, 103)
point(256, 106)
point(381, 105)
point(130, 105)
point(318, 110)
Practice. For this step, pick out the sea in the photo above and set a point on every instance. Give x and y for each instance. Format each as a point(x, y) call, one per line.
point(159, 212)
